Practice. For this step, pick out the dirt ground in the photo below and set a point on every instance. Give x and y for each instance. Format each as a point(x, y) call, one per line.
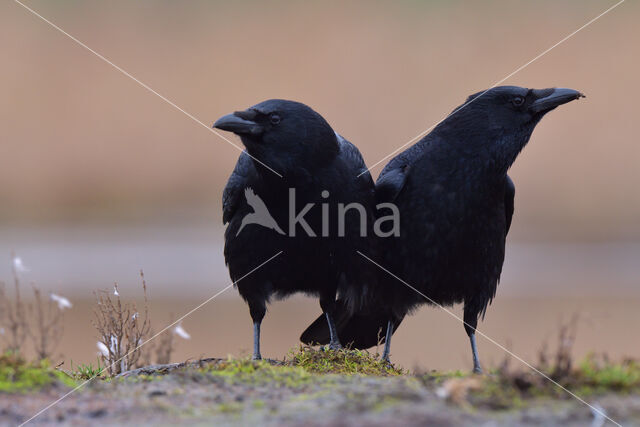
point(194, 395)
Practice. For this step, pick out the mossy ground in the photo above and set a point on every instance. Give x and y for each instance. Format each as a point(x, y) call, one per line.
point(259, 372)
point(502, 389)
point(300, 367)
point(324, 387)
point(304, 365)
point(19, 376)
point(343, 362)
point(496, 390)
point(601, 375)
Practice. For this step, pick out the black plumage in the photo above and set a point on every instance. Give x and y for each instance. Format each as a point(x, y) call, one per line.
point(456, 203)
point(319, 171)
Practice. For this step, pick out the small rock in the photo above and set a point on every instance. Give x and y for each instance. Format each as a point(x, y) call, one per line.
point(98, 413)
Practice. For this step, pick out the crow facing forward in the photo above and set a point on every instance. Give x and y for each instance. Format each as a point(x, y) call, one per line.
point(296, 213)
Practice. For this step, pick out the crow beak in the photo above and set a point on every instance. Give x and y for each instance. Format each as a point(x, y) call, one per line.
point(557, 97)
point(238, 125)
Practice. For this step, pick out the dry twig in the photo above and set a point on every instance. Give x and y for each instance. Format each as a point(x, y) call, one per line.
point(46, 329)
point(122, 329)
point(13, 316)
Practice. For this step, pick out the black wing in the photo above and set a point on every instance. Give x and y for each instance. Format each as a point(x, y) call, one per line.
point(353, 158)
point(394, 175)
point(235, 186)
point(509, 197)
point(389, 185)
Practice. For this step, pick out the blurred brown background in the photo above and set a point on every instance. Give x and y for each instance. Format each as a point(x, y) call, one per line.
point(99, 177)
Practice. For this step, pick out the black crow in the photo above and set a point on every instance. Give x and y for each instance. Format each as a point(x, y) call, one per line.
point(318, 212)
point(456, 203)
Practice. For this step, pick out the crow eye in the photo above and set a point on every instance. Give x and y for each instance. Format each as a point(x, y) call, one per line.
point(518, 101)
point(275, 119)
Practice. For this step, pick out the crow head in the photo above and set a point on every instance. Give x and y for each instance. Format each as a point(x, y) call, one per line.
point(499, 122)
point(285, 135)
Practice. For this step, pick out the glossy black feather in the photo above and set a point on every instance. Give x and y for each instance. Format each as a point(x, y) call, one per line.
point(323, 169)
point(456, 205)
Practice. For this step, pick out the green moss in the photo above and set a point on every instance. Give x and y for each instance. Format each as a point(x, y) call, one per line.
point(301, 366)
point(592, 376)
point(18, 376)
point(259, 373)
point(344, 362)
point(604, 375)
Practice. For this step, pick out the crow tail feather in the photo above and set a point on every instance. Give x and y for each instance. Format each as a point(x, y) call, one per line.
point(358, 330)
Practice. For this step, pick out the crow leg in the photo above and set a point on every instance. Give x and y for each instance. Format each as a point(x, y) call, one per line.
point(470, 324)
point(257, 309)
point(387, 342)
point(334, 344)
point(256, 341)
point(328, 305)
point(474, 349)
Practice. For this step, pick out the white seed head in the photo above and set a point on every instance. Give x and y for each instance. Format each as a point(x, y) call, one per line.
point(179, 330)
point(62, 301)
point(19, 265)
point(103, 349)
